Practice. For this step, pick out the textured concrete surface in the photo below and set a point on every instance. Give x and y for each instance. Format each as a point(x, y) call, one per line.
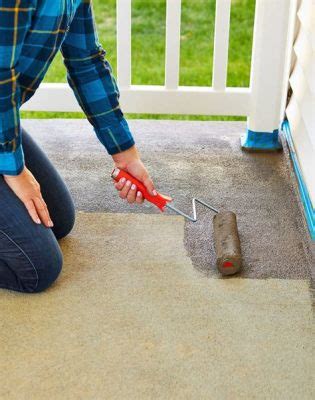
point(130, 319)
point(188, 159)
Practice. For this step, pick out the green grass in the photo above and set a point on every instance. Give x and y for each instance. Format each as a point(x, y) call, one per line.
point(148, 48)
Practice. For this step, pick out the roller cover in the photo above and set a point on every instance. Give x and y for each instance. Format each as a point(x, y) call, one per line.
point(227, 243)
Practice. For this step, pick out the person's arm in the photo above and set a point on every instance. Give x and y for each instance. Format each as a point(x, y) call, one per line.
point(15, 21)
point(93, 83)
point(91, 77)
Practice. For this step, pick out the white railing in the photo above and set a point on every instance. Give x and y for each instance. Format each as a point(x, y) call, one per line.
point(261, 102)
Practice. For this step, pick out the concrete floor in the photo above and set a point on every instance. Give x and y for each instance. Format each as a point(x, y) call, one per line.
point(194, 159)
point(145, 315)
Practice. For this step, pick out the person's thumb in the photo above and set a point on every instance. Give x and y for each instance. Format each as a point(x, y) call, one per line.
point(149, 186)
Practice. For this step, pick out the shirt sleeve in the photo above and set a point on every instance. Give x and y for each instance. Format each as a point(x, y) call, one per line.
point(91, 77)
point(14, 21)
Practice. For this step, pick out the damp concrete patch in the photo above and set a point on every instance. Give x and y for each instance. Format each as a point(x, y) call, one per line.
point(131, 318)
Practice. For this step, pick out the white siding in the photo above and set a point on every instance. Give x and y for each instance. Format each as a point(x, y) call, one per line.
point(301, 109)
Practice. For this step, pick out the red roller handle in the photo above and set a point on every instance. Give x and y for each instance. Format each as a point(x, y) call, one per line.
point(159, 200)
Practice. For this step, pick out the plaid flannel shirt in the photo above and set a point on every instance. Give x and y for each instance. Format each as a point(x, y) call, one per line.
point(31, 33)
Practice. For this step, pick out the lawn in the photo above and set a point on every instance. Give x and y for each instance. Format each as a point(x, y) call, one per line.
point(148, 42)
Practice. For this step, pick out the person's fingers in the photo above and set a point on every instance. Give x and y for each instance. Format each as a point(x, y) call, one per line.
point(125, 190)
point(42, 211)
point(50, 222)
point(150, 186)
point(131, 196)
point(139, 198)
point(119, 185)
point(32, 211)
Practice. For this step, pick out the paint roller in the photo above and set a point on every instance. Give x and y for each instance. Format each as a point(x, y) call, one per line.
point(226, 237)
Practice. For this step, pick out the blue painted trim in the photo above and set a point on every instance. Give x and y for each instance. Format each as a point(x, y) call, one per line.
point(261, 140)
point(309, 210)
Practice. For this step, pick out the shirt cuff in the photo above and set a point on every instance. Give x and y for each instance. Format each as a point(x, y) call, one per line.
point(12, 163)
point(116, 138)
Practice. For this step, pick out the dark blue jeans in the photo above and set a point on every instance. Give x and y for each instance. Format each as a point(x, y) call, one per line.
point(30, 255)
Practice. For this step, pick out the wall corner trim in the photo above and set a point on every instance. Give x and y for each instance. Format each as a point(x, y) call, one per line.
point(309, 210)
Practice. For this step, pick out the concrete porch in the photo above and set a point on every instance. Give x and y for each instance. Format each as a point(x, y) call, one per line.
point(145, 315)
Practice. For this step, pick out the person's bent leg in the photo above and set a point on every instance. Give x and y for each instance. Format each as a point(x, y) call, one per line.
point(53, 188)
point(30, 256)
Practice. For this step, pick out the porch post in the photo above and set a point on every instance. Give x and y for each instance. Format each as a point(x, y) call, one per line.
point(269, 57)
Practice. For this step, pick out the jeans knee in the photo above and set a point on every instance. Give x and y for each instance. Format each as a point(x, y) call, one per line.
point(63, 230)
point(49, 271)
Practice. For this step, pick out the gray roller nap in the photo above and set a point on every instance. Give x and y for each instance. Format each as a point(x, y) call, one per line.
point(227, 243)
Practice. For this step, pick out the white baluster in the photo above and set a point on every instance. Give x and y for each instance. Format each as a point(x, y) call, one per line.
point(172, 51)
point(124, 43)
point(221, 44)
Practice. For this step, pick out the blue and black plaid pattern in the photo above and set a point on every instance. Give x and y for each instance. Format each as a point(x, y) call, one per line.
point(31, 33)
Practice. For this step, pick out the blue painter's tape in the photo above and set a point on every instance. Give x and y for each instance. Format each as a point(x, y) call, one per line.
point(261, 140)
point(309, 210)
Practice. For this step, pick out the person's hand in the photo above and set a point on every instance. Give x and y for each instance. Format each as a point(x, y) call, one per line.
point(27, 189)
point(129, 160)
